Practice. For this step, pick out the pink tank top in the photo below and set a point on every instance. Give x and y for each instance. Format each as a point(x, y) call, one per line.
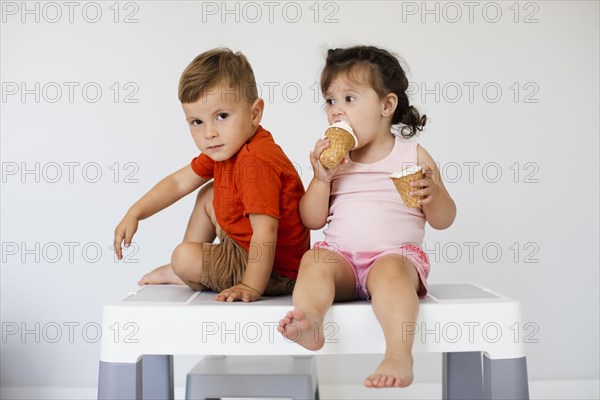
point(366, 211)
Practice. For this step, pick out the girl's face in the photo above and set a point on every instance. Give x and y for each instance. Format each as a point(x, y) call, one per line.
point(356, 102)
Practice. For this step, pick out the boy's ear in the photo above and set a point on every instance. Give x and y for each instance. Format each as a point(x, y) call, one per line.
point(256, 111)
point(390, 102)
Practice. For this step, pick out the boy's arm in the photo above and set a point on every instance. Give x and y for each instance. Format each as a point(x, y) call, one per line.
point(162, 195)
point(438, 206)
point(260, 261)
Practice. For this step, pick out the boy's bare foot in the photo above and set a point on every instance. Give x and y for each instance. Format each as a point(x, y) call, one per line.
point(394, 371)
point(162, 274)
point(303, 329)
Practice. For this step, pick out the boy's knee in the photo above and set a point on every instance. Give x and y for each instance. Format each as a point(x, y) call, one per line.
point(206, 193)
point(204, 201)
point(184, 259)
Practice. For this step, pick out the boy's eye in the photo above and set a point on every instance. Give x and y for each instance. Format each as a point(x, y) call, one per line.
point(329, 102)
point(349, 99)
point(196, 122)
point(222, 115)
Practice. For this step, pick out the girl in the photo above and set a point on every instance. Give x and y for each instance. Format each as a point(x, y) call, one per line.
point(372, 238)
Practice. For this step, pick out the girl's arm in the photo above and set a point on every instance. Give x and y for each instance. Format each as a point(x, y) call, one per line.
point(437, 205)
point(314, 205)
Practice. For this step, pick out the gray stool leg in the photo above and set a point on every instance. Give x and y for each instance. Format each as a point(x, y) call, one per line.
point(253, 376)
point(462, 376)
point(505, 379)
point(120, 381)
point(157, 377)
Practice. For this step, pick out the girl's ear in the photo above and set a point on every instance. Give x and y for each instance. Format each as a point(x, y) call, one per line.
point(390, 102)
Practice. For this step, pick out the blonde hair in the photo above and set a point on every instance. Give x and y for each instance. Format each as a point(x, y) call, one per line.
point(215, 67)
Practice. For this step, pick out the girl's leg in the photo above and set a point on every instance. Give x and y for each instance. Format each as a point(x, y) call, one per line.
point(202, 228)
point(393, 282)
point(324, 276)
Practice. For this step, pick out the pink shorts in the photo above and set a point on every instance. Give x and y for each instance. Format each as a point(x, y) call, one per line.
point(361, 263)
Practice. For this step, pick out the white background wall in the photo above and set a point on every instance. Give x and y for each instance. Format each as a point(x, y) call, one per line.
point(90, 121)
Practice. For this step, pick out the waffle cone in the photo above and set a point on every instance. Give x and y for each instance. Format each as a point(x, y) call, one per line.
point(340, 143)
point(403, 187)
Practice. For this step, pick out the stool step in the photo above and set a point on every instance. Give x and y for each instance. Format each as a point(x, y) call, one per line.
point(292, 377)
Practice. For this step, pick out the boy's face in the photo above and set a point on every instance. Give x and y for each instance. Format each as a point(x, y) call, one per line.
point(222, 121)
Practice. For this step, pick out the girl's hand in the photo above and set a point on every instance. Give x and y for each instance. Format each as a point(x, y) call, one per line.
point(426, 187)
point(124, 233)
point(322, 174)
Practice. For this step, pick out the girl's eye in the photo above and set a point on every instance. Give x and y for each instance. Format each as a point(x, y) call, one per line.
point(349, 99)
point(329, 102)
point(222, 115)
point(196, 122)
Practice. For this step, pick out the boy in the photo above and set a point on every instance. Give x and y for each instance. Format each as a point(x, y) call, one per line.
point(252, 205)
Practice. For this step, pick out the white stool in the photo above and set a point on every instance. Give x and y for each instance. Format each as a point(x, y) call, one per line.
point(471, 326)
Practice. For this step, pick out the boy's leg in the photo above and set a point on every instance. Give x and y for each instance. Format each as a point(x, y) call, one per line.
point(392, 283)
point(324, 276)
point(202, 228)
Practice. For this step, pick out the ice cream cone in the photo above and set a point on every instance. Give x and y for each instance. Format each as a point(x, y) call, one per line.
point(341, 141)
point(402, 181)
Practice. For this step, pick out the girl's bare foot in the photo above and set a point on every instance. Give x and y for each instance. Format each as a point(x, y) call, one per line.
point(162, 274)
point(303, 329)
point(394, 371)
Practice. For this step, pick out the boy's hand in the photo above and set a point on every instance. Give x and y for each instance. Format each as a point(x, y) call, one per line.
point(258, 269)
point(124, 233)
point(239, 292)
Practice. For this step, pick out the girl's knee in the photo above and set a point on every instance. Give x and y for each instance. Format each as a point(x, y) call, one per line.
point(321, 262)
point(307, 257)
point(318, 256)
point(312, 259)
point(394, 268)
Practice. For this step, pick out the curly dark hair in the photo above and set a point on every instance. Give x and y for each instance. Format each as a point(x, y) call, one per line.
point(385, 76)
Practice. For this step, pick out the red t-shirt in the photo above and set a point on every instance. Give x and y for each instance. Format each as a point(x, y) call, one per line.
point(259, 179)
